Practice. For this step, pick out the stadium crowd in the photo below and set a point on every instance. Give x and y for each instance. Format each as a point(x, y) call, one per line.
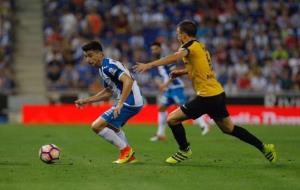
point(255, 45)
point(7, 81)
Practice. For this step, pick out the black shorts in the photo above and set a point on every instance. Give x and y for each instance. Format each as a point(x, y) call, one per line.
point(214, 106)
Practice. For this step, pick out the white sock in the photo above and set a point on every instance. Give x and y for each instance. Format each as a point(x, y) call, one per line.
point(122, 136)
point(110, 136)
point(201, 123)
point(162, 119)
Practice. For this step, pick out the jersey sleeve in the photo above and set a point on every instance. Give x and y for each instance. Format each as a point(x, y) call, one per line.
point(186, 47)
point(113, 71)
point(186, 50)
point(105, 84)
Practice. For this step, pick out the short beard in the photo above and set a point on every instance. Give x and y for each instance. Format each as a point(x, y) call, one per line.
point(156, 56)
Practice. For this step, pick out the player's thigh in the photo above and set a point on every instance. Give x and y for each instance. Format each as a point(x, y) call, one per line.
point(225, 124)
point(177, 116)
point(125, 114)
point(194, 108)
point(99, 124)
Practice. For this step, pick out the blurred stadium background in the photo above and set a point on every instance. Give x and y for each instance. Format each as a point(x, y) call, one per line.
point(254, 47)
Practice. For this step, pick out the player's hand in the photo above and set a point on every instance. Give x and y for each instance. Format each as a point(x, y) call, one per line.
point(80, 102)
point(162, 87)
point(117, 110)
point(176, 73)
point(141, 67)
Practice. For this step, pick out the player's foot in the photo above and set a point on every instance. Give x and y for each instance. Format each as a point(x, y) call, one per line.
point(132, 160)
point(125, 154)
point(179, 156)
point(205, 129)
point(270, 152)
point(158, 138)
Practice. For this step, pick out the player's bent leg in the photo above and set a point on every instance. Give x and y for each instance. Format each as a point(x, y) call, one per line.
point(228, 127)
point(176, 117)
point(122, 135)
point(225, 124)
point(175, 120)
point(127, 153)
point(98, 125)
point(102, 128)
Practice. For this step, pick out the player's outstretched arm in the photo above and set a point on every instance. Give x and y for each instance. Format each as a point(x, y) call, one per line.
point(102, 95)
point(127, 86)
point(142, 67)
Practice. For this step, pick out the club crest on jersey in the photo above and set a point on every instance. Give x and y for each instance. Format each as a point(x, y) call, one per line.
point(112, 71)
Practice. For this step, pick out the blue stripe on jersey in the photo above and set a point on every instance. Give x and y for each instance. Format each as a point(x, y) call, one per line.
point(165, 71)
point(114, 79)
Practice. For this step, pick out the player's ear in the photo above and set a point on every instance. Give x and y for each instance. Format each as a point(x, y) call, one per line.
point(101, 53)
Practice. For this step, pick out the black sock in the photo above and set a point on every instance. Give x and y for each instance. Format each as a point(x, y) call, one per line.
point(247, 137)
point(179, 134)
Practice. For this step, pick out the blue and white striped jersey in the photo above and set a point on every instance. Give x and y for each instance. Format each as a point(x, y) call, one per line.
point(111, 71)
point(164, 72)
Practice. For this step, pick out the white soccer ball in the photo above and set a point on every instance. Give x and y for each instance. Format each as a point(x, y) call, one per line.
point(49, 153)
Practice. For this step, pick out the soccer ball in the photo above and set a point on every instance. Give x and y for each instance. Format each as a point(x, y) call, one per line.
point(49, 153)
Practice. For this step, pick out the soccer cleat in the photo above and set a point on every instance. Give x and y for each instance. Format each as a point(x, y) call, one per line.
point(179, 156)
point(132, 160)
point(125, 154)
point(158, 138)
point(205, 130)
point(270, 152)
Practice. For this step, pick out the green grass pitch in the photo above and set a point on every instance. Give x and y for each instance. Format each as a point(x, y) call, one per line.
point(219, 161)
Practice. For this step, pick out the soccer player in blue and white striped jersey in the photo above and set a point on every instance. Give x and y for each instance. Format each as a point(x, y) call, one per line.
point(172, 93)
point(129, 101)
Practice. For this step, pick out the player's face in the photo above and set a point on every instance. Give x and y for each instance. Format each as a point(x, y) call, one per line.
point(155, 50)
point(93, 58)
point(179, 35)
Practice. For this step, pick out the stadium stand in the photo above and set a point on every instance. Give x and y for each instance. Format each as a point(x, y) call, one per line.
point(7, 81)
point(254, 44)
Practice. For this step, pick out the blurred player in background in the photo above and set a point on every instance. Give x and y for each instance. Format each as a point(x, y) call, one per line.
point(172, 92)
point(210, 97)
point(117, 81)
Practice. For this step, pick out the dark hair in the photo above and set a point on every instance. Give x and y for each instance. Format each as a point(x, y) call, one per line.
point(93, 45)
point(155, 44)
point(188, 27)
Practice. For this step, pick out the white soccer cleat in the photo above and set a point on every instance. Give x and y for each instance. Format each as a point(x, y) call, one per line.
point(205, 130)
point(158, 138)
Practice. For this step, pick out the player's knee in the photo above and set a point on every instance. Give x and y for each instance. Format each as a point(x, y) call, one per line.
point(96, 127)
point(172, 121)
point(226, 130)
point(225, 125)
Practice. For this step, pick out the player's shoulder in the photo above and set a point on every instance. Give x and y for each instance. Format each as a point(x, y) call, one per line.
point(191, 43)
point(109, 63)
point(112, 67)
